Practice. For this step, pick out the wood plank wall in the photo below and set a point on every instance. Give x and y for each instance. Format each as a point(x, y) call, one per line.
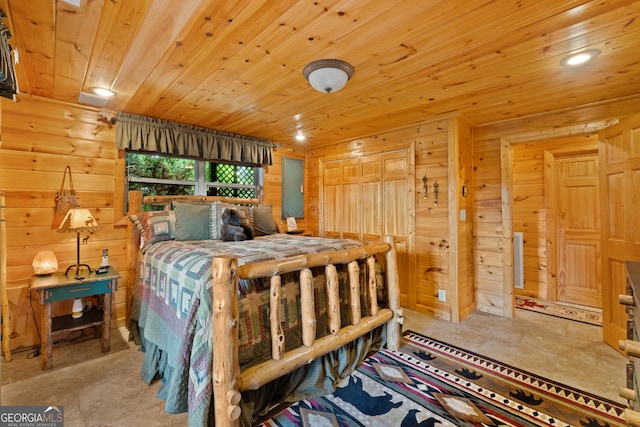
point(487, 226)
point(39, 137)
point(462, 192)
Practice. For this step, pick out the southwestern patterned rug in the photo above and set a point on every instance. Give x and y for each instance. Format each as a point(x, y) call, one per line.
point(431, 383)
point(592, 316)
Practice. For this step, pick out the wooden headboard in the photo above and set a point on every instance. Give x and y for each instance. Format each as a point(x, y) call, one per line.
point(167, 201)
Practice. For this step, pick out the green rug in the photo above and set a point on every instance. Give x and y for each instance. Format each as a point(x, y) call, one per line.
point(431, 383)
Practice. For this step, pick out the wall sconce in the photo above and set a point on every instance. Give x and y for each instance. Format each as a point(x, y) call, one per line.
point(44, 263)
point(328, 75)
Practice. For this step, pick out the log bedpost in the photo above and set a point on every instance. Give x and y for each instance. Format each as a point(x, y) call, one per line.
point(277, 335)
point(394, 327)
point(307, 307)
point(226, 367)
point(333, 298)
point(354, 292)
point(373, 289)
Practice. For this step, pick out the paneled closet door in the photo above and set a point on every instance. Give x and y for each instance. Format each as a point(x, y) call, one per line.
point(368, 197)
point(350, 212)
point(331, 199)
point(371, 168)
point(398, 172)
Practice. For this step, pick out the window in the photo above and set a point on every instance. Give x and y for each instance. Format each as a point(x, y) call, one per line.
point(160, 175)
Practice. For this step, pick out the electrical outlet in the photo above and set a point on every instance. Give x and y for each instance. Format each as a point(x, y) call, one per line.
point(442, 295)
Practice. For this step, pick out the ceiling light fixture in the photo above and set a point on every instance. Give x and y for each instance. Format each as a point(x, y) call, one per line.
point(328, 75)
point(580, 58)
point(101, 91)
point(300, 137)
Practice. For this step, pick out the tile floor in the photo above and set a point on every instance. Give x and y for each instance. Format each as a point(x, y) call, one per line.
point(569, 352)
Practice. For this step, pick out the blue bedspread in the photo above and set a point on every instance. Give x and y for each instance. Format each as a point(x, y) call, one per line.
point(173, 291)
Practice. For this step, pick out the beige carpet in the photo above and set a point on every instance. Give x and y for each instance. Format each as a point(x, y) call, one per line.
point(104, 389)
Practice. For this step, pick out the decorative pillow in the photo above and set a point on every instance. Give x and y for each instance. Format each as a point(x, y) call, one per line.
point(264, 223)
point(192, 221)
point(215, 222)
point(154, 226)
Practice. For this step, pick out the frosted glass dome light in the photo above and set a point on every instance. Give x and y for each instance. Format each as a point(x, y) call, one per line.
point(328, 75)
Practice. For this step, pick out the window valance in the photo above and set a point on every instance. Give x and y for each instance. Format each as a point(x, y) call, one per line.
point(140, 133)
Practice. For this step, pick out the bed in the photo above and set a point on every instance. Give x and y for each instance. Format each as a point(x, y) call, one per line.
point(230, 327)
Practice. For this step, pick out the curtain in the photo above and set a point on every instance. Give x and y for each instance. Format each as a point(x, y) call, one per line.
point(140, 133)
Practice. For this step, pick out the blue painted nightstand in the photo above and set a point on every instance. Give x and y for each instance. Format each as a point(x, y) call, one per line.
point(58, 287)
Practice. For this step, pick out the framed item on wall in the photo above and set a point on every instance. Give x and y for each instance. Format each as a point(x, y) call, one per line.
point(292, 188)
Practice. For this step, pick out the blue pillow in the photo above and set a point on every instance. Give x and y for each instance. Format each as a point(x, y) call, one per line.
point(192, 221)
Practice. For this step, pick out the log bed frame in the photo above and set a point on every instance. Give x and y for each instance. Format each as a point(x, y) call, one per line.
point(228, 381)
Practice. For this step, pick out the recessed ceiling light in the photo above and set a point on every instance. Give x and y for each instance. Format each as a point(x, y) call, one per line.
point(300, 137)
point(580, 58)
point(101, 91)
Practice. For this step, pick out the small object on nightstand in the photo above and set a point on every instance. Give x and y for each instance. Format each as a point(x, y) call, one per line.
point(102, 269)
point(76, 311)
point(44, 263)
point(291, 225)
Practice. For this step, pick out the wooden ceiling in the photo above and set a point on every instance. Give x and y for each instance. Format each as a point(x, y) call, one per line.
point(237, 65)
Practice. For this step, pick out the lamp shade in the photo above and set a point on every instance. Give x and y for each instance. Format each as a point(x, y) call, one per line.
point(44, 263)
point(328, 75)
point(78, 220)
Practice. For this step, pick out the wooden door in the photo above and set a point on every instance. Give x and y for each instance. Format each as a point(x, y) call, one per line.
point(620, 213)
point(579, 275)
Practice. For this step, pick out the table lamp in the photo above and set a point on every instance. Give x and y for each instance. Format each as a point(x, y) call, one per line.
point(78, 220)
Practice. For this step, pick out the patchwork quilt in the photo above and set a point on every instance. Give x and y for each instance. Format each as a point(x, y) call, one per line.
point(172, 307)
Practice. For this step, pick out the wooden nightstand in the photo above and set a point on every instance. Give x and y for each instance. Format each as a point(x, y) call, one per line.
point(58, 287)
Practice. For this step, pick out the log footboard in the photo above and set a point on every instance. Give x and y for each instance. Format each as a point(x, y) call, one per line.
point(228, 381)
